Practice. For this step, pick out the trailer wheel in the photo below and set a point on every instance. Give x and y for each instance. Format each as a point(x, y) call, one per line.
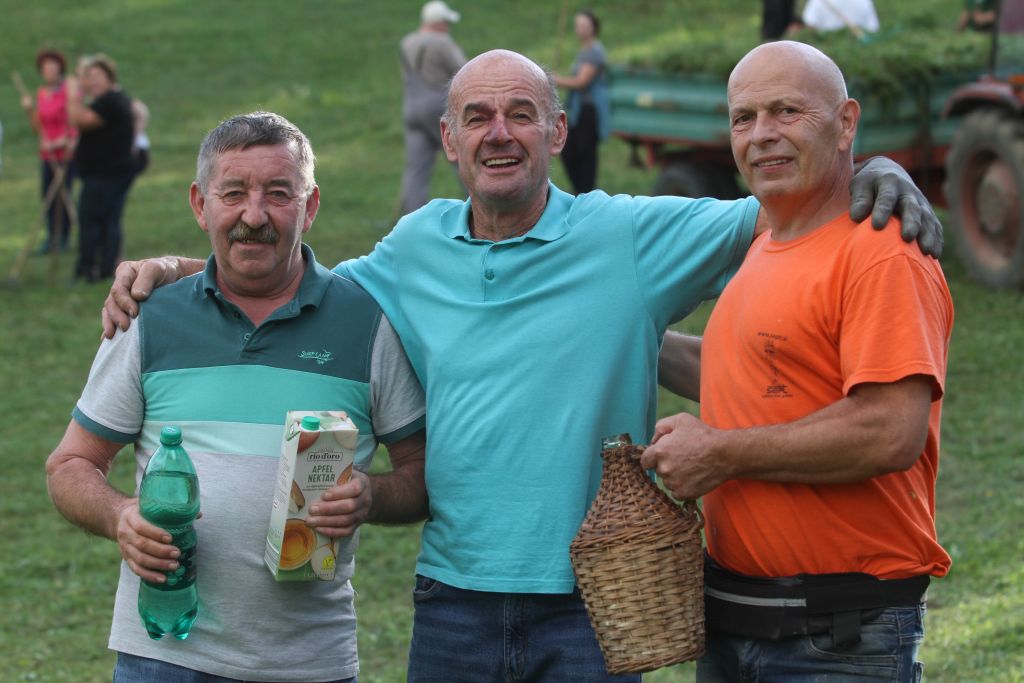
point(690, 179)
point(984, 183)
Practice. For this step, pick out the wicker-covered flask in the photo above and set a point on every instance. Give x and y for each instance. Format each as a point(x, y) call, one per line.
point(640, 567)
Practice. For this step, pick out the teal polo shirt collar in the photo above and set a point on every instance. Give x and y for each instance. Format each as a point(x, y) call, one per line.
point(553, 223)
point(315, 282)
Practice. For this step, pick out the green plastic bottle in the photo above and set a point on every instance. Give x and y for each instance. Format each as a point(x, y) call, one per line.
point(169, 498)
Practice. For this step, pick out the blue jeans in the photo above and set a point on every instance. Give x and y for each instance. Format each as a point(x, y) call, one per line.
point(887, 651)
point(133, 669)
point(477, 637)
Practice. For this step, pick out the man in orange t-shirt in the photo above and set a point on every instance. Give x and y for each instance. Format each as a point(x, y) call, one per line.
point(822, 375)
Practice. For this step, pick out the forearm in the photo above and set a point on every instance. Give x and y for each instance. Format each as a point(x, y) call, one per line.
point(74, 109)
point(877, 429)
point(856, 438)
point(81, 493)
point(581, 80)
point(399, 497)
point(679, 365)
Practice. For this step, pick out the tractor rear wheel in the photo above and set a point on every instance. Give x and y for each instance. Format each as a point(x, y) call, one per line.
point(984, 184)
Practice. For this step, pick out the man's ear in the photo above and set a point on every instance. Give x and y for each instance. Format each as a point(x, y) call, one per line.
point(312, 206)
point(449, 147)
point(198, 202)
point(849, 116)
point(561, 133)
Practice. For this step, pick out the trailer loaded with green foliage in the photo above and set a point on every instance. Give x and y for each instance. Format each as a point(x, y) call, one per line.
point(949, 107)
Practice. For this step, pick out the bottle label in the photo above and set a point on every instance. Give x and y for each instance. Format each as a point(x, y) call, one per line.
point(184, 576)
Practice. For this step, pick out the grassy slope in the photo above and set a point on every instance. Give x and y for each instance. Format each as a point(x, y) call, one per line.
point(331, 67)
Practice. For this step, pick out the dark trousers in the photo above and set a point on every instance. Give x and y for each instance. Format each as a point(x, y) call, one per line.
point(579, 156)
point(100, 206)
point(58, 221)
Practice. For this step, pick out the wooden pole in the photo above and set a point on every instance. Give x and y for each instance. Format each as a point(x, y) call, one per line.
point(20, 84)
point(30, 238)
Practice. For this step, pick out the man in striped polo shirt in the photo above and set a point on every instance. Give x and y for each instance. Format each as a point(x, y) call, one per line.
point(224, 354)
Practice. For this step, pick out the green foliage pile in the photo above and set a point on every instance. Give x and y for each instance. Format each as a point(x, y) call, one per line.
point(913, 53)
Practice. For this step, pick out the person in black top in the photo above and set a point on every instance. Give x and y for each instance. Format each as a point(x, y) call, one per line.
point(105, 164)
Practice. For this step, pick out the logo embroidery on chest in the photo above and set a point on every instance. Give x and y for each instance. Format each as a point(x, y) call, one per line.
point(320, 357)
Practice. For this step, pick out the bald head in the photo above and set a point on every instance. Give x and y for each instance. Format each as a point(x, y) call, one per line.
point(792, 129)
point(502, 67)
point(813, 66)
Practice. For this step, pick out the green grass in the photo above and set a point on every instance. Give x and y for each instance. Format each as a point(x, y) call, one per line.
point(332, 68)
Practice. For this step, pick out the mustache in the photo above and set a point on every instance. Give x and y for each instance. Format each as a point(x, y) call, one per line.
point(243, 232)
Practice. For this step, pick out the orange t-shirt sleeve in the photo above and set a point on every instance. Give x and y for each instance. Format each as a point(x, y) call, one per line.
point(896, 321)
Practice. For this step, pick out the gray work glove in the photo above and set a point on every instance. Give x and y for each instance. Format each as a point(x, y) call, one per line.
point(881, 187)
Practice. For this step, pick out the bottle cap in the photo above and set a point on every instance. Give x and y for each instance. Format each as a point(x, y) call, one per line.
point(615, 441)
point(170, 436)
point(311, 423)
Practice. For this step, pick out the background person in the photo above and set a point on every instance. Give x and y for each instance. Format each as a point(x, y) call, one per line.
point(818, 444)
point(833, 15)
point(140, 138)
point(105, 163)
point(776, 18)
point(48, 113)
point(588, 106)
point(217, 354)
point(429, 58)
point(579, 290)
point(977, 15)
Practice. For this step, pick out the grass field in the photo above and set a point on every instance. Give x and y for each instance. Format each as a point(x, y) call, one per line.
point(331, 67)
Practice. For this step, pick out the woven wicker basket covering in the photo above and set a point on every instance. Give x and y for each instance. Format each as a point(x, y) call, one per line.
point(640, 567)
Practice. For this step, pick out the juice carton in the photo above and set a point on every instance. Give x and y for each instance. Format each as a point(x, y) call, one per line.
point(317, 451)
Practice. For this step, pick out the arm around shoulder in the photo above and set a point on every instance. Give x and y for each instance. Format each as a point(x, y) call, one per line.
point(134, 281)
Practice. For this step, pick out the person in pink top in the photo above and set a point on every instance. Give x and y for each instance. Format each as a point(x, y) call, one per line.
point(49, 116)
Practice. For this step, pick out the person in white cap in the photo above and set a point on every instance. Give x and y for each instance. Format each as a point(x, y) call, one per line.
point(429, 57)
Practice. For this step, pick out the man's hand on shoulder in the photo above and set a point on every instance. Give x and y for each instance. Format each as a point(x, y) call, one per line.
point(881, 188)
point(134, 281)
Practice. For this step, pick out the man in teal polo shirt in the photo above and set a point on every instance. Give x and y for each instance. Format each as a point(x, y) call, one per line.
point(533, 319)
point(225, 354)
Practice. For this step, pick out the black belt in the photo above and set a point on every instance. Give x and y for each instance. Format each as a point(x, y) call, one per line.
point(805, 604)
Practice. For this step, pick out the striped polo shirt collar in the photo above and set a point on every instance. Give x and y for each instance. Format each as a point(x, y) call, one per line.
point(551, 226)
point(315, 282)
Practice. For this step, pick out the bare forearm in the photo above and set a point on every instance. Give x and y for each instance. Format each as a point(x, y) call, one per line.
point(82, 494)
point(856, 438)
point(78, 114)
point(877, 429)
point(399, 497)
point(33, 119)
point(679, 365)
